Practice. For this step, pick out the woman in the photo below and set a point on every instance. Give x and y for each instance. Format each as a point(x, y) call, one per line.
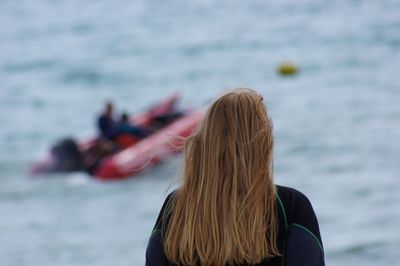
point(228, 210)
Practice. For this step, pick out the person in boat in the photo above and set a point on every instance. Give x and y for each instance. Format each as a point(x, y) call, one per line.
point(106, 122)
point(129, 134)
point(228, 211)
point(111, 129)
point(124, 126)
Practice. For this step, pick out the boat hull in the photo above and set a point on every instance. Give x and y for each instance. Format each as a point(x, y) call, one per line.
point(149, 151)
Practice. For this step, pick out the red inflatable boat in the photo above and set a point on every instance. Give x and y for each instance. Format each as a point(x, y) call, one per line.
point(138, 155)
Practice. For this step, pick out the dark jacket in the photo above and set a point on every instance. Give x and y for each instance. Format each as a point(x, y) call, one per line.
point(299, 239)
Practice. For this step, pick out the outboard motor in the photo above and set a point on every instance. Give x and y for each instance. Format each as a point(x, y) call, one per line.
point(66, 155)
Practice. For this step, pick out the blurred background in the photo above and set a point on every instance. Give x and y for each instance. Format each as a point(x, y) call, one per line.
point(336, 122)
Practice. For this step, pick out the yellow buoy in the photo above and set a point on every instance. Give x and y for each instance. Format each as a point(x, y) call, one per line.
point(287, 69)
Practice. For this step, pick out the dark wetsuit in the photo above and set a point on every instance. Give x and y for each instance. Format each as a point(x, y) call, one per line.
point(107, 126)
point(110, 129)
point(299, 239)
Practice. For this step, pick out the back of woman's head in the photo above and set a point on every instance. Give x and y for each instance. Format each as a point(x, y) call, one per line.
point(224, 212)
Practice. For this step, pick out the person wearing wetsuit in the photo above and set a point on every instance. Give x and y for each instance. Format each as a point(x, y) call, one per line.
point(299, 239)
point(111, 129)
point(125, 127)
point(228, 211)
point(106, 123)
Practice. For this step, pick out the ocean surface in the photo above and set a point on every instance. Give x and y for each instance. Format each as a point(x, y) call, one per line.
point(337, 123)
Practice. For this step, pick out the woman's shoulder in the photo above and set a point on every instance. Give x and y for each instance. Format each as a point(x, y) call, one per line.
point(164, 210)
point(304, 243)
point(296, 205)
point(291, 196)
point(169, 197)
point(155, 248)
point(298, 209)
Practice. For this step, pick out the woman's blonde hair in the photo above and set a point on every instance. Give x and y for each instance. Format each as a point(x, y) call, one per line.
point(225, 213)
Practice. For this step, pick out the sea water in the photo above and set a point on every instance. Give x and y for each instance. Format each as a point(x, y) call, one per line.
point(337, 123)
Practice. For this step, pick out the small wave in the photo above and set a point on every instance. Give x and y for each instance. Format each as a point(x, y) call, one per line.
point(85, 76)
point(30, 66)
point(91, 77)
point(78, 179)
point(361, 248)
